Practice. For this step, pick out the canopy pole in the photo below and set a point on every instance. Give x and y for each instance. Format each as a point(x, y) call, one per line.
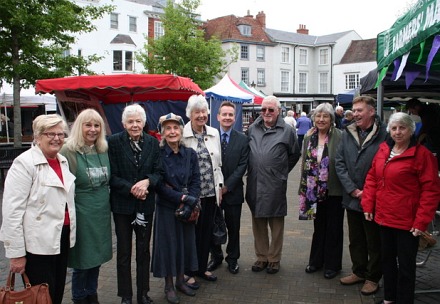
point(380, 91)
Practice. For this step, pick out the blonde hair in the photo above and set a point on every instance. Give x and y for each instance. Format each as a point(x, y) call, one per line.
point(76, 138)
point(43, 122)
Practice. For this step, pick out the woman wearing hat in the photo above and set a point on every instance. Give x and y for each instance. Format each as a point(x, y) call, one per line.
point(174, 244)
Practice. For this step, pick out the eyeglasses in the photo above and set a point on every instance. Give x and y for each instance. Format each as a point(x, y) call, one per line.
point(52, 135)
point(270, 110)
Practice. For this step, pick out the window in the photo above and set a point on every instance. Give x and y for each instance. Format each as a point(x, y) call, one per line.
point(114, 23)
point(245, 75)
point(122, 61)
point(117, 60)
point(132, 21)
point(323, 56)
point(261, 77)
point(351, 81)
point(245, 30)
point(285, 54)
point(323, 82)
point(285, 81)
point(128, 61)
point(66, 53)
point(244, 52)
point(302, 83)
point(158, 29)
point(260, 53)
point(302, 56)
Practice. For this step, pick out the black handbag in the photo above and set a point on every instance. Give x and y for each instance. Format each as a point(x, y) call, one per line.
point(219, 235)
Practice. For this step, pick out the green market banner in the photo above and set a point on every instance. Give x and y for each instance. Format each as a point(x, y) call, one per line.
point(415, 32)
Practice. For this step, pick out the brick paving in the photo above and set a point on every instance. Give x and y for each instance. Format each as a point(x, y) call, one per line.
point(290, 285)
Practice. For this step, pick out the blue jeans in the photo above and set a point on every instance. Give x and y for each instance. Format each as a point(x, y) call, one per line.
point(84, 282)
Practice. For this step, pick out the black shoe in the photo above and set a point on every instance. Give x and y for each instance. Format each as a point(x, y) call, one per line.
point(312, 269)
point(82, 301)
point(212, 277)
point(92, 299)
point(171, 297)
point(233, 267)
point(145, 300)
point(213, 264)
point(194, 285)
point(126, 300)
point(330, 274)
point(186, 290)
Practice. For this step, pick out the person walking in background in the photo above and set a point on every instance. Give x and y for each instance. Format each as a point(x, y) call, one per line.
point(174, 242)
point(339, 115)
point(86, 151)
point(348, 118)
point(235, 152)
point(205, 141)
point(273, 154)
point(303, 124)
point(360, 142)
point(320, 193)
point(39, 219)
point(401, 194)
point(135, 171)
point(290, 118)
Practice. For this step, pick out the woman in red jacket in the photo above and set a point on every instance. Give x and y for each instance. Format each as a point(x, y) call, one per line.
point(401, 192)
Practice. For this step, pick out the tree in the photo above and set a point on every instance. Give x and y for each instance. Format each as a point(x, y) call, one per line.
point(182, 49)
point(34, 35)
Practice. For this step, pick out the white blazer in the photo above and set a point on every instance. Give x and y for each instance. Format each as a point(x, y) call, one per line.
point(212, 143)
point(34, 202)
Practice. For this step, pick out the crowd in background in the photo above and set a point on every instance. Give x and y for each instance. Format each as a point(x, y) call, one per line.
point(58, 214)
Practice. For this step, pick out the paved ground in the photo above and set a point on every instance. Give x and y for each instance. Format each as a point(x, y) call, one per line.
point(290, 285)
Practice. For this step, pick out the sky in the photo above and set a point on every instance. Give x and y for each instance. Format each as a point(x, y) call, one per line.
point(321, 17)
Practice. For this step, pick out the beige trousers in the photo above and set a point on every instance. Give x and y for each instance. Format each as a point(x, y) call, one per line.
point(268, 250)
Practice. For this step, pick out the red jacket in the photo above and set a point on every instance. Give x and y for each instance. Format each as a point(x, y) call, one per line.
point(405, 192)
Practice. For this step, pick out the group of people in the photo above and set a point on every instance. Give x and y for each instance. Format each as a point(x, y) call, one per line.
point(58, 198)
point(388, 184)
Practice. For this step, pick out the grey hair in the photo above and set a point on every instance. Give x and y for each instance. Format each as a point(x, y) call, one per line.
point(43, 122)
point(196, 102)
point(348, 112)
point(325, 108)
point(403, 119)
point(273, 99)
point(133, 109)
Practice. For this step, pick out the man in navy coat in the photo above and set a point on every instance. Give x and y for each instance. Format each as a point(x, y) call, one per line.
point(235, 151)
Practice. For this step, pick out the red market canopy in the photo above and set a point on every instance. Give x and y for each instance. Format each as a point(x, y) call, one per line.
point(123, 88)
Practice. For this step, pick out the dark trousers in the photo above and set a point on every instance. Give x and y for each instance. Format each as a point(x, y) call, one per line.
point(300, 141)
point(364, 246)
point(204, 228)
point(124, 234)
point(399, 252)
point(50, 269)
point(328, 236)
point(232, 218)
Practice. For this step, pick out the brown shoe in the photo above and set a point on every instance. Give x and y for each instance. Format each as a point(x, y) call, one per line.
point(259, 266)
point(273, 267)
point(351, 280)
point(369, 288)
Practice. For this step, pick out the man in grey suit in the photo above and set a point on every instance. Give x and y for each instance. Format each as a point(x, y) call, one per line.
point(235, 151)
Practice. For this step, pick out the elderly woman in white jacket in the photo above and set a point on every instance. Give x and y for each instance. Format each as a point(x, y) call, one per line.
point(39, 221)
point(206, 142)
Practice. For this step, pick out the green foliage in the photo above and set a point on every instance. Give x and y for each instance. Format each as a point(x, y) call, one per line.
point(182, 49)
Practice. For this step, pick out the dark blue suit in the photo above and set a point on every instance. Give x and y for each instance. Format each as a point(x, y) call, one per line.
point(234, 166)
point(125, 172)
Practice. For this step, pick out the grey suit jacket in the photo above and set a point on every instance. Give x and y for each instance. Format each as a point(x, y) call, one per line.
point(234, 166)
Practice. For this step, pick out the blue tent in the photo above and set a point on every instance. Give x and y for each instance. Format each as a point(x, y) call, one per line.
point(345, 98)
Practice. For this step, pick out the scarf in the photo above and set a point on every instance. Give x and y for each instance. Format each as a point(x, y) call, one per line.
point(314, 177)
point(136, 146)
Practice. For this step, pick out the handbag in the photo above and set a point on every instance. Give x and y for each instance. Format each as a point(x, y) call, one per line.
point(194, 214)
point(426, 240)
point(219, 235)
point(196, 210)
point(37, 294)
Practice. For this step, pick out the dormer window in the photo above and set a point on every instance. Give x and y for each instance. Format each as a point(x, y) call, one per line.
point(245, 30)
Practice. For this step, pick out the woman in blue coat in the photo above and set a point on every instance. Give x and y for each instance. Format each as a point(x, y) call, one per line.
point(174, 243)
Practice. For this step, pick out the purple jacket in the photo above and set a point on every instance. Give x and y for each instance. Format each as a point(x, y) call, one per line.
point(303, 124)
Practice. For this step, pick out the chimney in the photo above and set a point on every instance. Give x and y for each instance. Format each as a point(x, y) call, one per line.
point(302, 29)
point(261, 19)
point(249, 14)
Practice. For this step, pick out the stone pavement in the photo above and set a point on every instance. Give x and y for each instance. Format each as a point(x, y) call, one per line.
point(290, 285)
